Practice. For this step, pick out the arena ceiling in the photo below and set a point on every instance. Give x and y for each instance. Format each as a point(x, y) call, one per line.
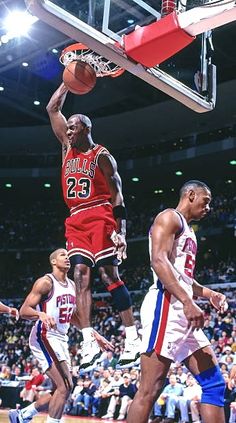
point(23, 85)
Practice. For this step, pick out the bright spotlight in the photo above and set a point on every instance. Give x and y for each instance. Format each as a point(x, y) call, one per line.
point(18, 23)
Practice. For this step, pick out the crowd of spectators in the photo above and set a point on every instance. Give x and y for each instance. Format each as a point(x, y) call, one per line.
point(27, 241)
point(107, 392)
point(23, 226)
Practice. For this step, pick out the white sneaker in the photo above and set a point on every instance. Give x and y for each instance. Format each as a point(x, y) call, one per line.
point(131, 354)
point(121, 417)
point(107, 416)
point(90, 352)
point(15, 416)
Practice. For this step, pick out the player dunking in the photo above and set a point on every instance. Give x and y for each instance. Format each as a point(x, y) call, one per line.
point(96, 228)
point(52, 303)
point(171, 320)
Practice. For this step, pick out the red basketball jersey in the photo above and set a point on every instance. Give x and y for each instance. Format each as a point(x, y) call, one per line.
point(83, 183)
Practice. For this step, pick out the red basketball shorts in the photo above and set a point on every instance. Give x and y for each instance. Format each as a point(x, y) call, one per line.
point(88, 233)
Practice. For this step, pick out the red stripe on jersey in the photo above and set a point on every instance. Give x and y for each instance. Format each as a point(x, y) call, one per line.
point(47, 345)
point(165, 311)
point(114, 285)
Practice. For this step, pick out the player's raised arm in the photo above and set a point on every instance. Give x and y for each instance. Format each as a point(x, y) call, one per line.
point(41, 289)
point(57, 119)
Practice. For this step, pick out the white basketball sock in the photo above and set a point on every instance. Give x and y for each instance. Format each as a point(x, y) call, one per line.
point(29, 411)
point(87, 334)
point(131, 333)
point(52, 420)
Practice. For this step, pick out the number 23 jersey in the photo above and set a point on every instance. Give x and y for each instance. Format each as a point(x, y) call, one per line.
point(83, 182)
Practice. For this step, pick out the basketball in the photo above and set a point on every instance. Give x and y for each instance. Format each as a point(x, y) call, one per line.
point(79, 77)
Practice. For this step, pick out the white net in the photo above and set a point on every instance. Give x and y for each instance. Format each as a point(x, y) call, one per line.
point(102, 66)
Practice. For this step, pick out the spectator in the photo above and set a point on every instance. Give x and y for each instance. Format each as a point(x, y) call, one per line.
point(113, 393)
point(86, 399)
point(190, 400)
point(28, 393)
point(170, 397)
point(123, 396)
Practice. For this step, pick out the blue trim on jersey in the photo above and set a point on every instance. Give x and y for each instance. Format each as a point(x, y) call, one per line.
point(182, 222)
point(47, 356)
point(157, 316)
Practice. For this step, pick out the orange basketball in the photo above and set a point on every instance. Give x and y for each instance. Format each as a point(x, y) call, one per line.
point(79, 77)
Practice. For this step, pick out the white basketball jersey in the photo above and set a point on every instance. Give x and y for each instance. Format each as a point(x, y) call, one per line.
point(183, 254)
point(60, 305)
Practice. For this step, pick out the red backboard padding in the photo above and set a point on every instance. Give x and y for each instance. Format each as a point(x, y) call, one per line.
point(152, 44)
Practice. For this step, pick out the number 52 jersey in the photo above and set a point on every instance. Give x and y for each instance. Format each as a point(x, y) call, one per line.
point(50, 345)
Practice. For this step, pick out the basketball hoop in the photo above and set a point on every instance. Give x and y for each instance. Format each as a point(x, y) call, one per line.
point(101, 65)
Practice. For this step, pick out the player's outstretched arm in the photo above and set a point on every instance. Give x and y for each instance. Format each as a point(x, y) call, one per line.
point(57, 119)
point(12, 311)
point(216, 299)
point(108, 165)
point(41, 289)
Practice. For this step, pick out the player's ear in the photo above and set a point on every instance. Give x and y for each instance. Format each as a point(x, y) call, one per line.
point(191, 195)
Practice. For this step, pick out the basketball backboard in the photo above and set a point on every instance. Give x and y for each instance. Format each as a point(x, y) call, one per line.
point(106, 25)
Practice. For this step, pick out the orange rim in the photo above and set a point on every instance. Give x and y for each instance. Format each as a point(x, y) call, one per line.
point(76, 46)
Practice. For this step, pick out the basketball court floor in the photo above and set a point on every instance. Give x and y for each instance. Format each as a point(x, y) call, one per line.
point(42, 418)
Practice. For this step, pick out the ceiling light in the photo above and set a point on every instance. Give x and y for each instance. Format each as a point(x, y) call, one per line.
point(7, 185)
point(130, 21)
point(178, 173)
point(25, 64)
point(232, 162)
point(18, 23)
point(229, 181)
point(135, 179)
point(1, 88)
point(47, 185)
point(54, 50)
point(4, 39)
point(158, 191)
point(36, 102)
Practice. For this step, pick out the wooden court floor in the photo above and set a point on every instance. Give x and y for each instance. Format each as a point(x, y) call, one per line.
point(42, 418)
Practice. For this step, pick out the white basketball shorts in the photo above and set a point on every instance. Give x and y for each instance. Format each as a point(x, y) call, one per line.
point(48, 348)
point(165, 327)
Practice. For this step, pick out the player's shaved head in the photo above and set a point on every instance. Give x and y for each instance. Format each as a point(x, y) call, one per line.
point(192, 185)
point(55, 253)
point(83, 119)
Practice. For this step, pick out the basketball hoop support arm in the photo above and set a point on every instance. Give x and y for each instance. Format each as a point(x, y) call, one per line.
point(105, 46)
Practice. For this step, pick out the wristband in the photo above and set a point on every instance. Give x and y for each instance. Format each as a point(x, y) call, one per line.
point(119, 212)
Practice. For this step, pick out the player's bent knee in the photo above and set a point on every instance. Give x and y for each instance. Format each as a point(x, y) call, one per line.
point(120, 295)
point(213, 386)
